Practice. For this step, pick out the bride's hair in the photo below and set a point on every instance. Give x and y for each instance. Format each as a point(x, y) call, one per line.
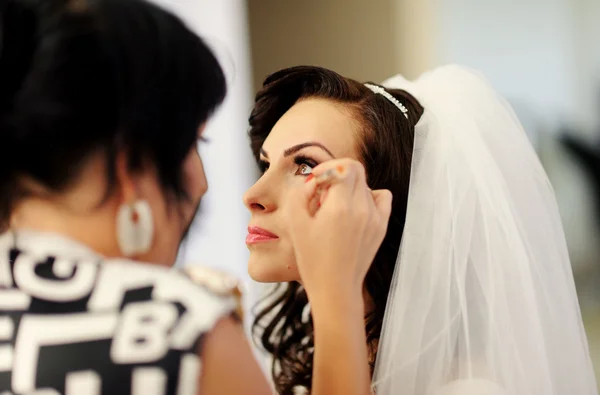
point(385, 146)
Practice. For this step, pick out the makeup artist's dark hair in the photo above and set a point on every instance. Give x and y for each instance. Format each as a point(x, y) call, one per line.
point(385, 145)
point(83, 76)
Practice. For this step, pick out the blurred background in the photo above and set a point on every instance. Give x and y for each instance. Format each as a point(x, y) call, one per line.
point(542, 55)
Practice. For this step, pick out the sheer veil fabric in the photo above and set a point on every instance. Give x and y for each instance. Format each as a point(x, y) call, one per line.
point(483, 300)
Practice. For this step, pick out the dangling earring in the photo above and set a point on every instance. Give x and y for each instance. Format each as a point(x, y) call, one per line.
point(135, 228)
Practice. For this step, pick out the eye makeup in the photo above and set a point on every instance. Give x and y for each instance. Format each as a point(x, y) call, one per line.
point(305, 165)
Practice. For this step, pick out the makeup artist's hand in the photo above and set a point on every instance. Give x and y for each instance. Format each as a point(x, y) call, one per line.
point(337, 226)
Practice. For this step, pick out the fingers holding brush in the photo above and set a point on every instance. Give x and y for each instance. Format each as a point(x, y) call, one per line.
point(348, 177)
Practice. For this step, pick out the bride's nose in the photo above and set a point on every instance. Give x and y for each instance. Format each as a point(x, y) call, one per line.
point(259, 198)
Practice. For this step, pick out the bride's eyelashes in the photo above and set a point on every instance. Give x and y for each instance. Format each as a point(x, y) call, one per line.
point(303, 164)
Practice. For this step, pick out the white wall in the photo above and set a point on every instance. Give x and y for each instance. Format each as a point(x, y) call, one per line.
point(524, 47)
point(217, 237)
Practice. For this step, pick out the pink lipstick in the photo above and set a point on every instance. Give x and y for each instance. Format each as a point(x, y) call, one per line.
point(259, 235)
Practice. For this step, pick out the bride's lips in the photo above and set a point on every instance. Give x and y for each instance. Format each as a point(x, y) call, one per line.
point(259, 235)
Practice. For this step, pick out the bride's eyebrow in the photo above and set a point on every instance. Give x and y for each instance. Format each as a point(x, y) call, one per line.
point(292, 150)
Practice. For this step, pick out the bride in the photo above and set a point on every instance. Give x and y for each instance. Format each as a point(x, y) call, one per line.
point(471, 291)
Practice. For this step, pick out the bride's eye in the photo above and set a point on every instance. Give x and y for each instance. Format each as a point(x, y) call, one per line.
point(304, 170)
point(305, 166)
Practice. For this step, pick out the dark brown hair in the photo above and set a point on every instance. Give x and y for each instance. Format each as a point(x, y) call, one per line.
point(386, 152)
point(105, 75)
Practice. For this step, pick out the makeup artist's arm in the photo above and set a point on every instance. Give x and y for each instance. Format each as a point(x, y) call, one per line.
point(335, 247)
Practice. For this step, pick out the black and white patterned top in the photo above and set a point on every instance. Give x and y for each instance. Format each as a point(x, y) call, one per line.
point(74, 323)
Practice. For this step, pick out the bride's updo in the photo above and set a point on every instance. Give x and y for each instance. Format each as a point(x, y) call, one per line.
point(385, 145)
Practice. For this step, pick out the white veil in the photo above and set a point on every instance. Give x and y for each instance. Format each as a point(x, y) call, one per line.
point(482, 301)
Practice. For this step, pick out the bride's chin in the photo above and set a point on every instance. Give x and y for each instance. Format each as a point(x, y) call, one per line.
point(263, 271)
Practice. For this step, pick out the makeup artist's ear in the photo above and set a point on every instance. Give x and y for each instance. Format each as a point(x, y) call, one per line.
point(124, 179)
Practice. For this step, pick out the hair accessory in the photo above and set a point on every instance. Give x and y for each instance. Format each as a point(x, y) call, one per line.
point(379, 90)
